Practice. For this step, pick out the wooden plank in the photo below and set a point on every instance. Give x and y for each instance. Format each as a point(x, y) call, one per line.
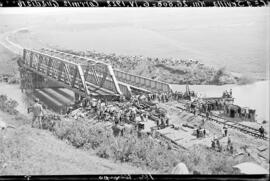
point(264, 155)
point(178, 139)
point(262, 148)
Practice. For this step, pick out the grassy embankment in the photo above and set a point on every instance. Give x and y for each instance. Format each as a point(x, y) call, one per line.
point(143, 152)
point(25, 150)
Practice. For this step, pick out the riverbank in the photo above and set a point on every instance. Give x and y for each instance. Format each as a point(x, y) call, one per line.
point(169, 70)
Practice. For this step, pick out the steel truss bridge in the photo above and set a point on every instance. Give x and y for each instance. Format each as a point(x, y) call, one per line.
point(84, 76)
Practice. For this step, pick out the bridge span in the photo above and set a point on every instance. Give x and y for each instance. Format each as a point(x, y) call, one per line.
point(47, 68)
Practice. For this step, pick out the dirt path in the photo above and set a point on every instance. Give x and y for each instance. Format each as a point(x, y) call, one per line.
point(32, 151)
point(10, 45)
point(9, 51)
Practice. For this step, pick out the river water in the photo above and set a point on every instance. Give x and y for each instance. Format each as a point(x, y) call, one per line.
point(254, 96)
point(54, 100)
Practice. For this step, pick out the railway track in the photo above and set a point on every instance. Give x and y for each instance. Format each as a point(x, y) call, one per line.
point(243, 128)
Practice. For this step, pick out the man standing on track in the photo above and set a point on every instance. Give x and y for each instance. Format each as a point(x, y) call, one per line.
point(38, 112)
point(225, 129)
point(261, 130)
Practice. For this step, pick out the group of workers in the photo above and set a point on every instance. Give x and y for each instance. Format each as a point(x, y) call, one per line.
point(180, 95)
point(216, 145)
point(134, 111)
point(168, 96)
point(227, 94)
point(240, 112)
point(160, 97)
point(205, 106)
point(200, 132)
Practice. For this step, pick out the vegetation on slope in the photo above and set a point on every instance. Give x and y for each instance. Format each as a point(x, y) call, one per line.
point(169, 70)
point(145, 152)
point(8, 105)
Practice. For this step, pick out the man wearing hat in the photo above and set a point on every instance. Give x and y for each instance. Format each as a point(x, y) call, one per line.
point(37, 112)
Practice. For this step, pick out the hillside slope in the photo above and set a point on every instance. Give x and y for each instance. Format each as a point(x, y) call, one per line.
point(25, 150)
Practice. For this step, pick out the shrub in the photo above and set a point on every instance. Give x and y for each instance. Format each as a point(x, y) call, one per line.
point(219, 73)
point(143, 152)
point(8, 105)
point(14, 80)
point(103, 151)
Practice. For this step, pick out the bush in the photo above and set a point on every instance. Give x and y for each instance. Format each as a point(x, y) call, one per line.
point(49, 121)
point(219, 73)
point(142, 152)
point(14, 80)
point(8, 105)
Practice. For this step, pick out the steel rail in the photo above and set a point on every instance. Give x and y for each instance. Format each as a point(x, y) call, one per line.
point(243, 128)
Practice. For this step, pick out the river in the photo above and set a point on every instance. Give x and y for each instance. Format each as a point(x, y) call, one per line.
point(54, 100)
point(234, 38)
point(254, 96)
